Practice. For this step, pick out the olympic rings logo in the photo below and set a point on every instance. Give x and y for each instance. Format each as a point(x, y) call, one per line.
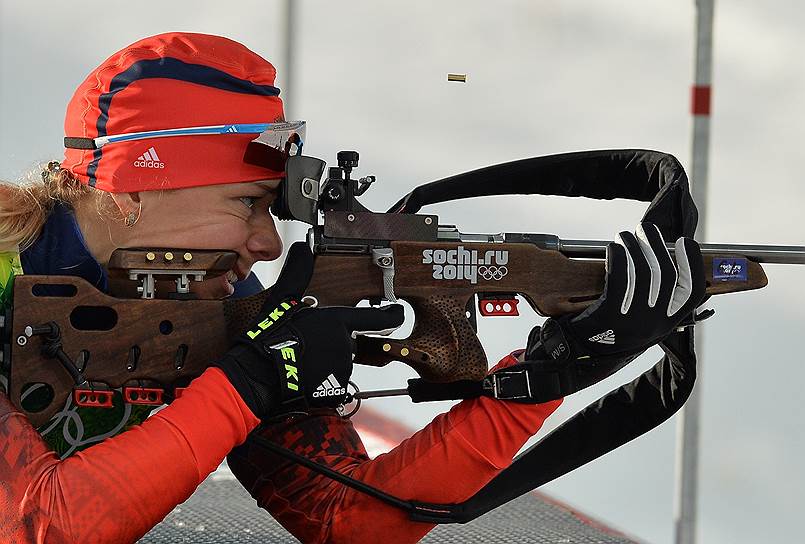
point(493, 272)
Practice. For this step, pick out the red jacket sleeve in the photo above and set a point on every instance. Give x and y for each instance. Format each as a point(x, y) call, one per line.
point(448, 461)
point(117, 490)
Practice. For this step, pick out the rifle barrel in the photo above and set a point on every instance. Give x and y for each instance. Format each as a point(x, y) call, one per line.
point(596, 249)
point(757, 253)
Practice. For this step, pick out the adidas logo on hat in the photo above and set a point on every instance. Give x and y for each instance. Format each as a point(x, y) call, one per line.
point(329, 388)
point(149, 159)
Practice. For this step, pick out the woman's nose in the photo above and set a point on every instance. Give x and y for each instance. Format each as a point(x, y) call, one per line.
point(264, 241)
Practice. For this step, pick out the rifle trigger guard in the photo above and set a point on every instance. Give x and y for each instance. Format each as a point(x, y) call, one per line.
point(384, 258)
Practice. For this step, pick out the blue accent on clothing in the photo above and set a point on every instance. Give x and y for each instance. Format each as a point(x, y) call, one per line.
point(249, 286)
point(61, 250)
point(169, 68)
point(243, 128)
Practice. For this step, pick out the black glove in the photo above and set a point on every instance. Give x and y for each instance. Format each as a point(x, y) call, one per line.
point(646, 296)
point(294, 357)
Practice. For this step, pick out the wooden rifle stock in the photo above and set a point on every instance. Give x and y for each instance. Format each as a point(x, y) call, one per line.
point(443, 345)
point(165, 343)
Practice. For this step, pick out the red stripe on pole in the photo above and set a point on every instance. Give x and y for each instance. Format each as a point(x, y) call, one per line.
point(700, 100)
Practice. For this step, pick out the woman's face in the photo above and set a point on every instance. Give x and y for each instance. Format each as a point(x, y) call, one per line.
point(231, 216)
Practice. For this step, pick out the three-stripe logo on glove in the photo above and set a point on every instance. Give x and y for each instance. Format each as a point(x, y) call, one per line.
point(606, 337)
point(329, 388)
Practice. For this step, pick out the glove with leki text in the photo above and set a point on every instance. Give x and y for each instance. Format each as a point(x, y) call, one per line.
point(294, 356)
point(647, 295)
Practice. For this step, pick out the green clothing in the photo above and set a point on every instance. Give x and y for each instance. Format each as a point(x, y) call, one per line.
point(9, 267)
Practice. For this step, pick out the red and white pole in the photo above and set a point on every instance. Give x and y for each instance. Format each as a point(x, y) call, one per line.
point(686, 500)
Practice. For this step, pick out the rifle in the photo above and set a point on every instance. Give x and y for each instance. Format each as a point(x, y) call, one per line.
point(151, 348)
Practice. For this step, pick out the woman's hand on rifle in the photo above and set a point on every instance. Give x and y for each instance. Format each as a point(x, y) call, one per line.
point(295, 356)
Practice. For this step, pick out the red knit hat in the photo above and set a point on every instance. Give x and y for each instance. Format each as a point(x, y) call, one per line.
point(169, 81)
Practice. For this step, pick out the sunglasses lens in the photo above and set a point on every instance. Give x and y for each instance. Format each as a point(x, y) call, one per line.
point(258, 154)
point(272, 147)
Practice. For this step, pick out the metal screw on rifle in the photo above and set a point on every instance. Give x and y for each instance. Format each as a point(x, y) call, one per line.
point(428, 220)
point(350, 217)
point(22, 340)
point(386, 261)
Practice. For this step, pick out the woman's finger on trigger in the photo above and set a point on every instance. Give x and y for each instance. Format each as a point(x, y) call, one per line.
point(381, 321)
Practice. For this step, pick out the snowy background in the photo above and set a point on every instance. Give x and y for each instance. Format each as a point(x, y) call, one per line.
point(543, 77)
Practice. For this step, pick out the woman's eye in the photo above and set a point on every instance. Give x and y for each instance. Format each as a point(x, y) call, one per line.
point(248, 200)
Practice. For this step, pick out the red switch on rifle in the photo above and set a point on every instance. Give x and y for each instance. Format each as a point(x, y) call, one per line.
point(497, 306)
point(150, 396)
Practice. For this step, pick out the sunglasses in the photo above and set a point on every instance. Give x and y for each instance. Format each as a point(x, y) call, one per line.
point(270, 149)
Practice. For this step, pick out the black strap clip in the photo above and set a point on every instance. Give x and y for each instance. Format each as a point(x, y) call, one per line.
point(509, 384)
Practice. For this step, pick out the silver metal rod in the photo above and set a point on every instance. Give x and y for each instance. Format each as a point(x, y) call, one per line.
point(288, 34)
point(757, 253)
point(381, 393)
point(596, 249)
point(686, 494)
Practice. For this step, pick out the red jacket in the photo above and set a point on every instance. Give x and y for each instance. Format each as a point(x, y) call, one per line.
point(149, 469)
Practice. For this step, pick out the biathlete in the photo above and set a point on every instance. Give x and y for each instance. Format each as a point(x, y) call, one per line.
point(127, 471)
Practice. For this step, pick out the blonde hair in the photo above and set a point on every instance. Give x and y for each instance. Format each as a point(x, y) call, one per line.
point(24, 206)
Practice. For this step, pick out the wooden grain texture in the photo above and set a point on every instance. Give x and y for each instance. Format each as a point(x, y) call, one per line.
point(198, 324)
point(756, 277)
point(214, 263)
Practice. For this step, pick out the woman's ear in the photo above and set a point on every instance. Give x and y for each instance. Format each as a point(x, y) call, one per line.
point(130, 206)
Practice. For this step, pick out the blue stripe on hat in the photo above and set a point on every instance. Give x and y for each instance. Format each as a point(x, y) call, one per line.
point(169, 68)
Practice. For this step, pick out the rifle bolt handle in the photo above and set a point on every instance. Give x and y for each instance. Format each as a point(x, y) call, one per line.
point(37, 330)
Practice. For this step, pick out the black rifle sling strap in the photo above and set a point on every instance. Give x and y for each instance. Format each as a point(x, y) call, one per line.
point(625, 413)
